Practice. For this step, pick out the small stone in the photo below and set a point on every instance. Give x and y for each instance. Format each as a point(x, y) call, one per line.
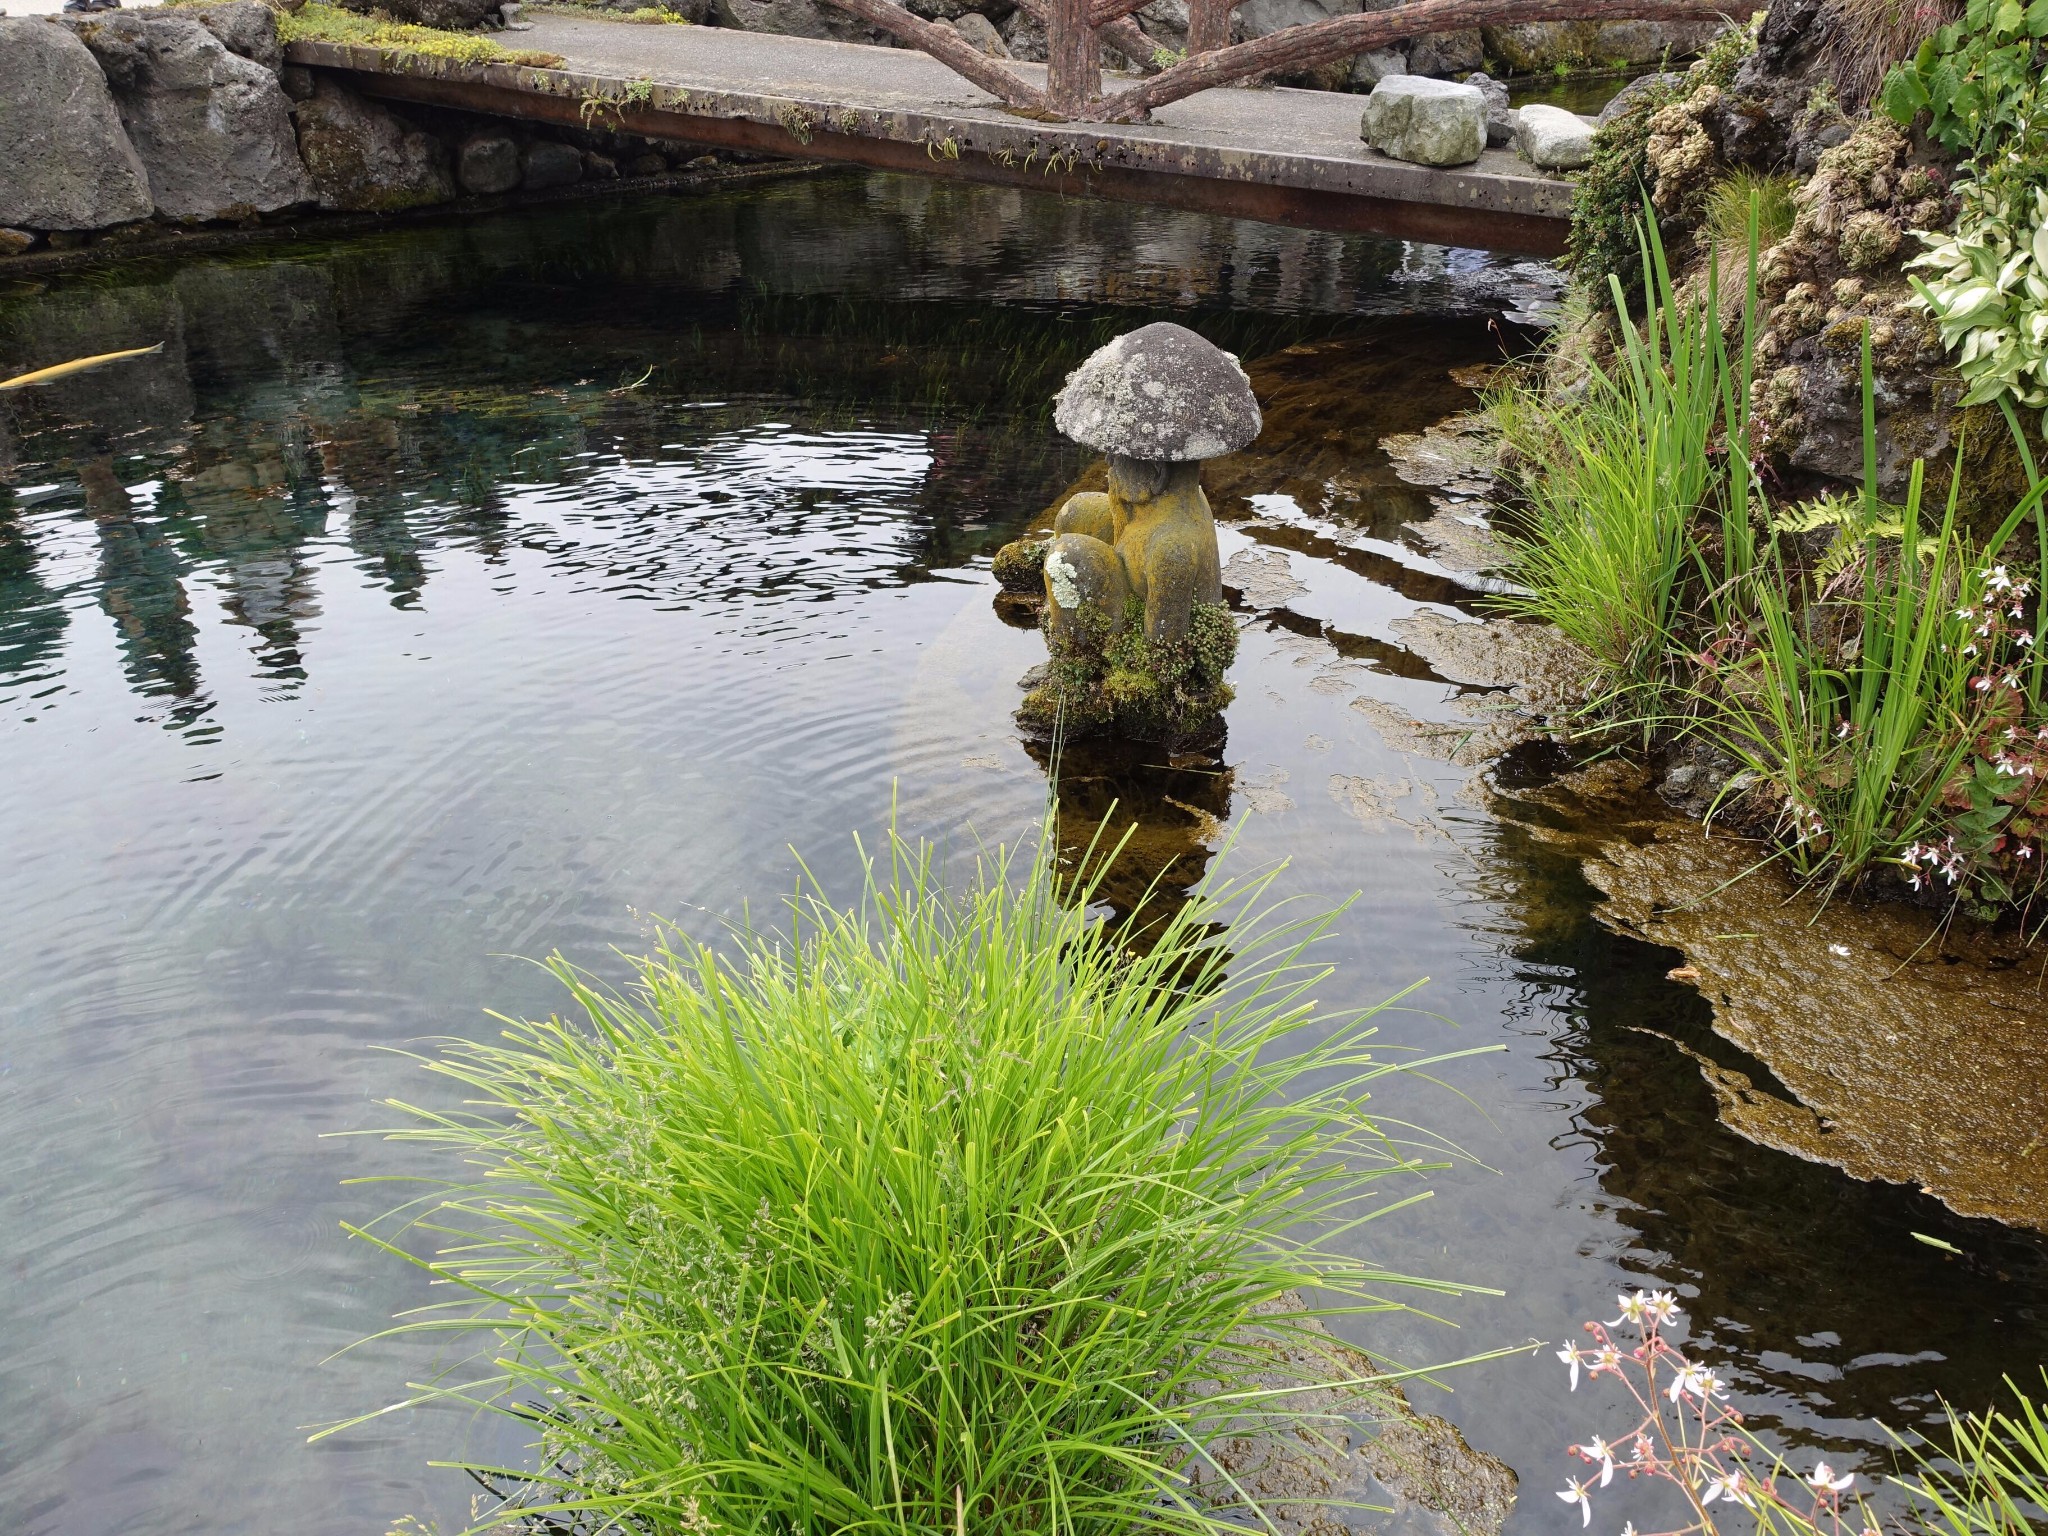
point(647, 165)
point(14, 241)
point(982, 34)
point(1020, 566)
point(1425, 122)
point(487, 164)
point(549, 164)
point(1553, 139)
point(597, 167)
point(1369, 69)
point(68, 239)
point(1500, 117)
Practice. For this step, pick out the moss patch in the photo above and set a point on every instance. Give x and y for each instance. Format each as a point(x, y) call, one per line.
point(1142, 689)
point(322, 23)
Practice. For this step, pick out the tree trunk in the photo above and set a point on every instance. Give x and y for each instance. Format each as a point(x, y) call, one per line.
point(1073, 60)
point(1208, 25)
point(1116, 29)
point(1298, 48)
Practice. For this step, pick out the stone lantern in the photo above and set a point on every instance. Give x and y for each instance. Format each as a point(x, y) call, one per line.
point(1134, 614)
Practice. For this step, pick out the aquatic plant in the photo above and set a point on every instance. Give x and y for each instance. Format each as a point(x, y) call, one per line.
point(1989, 1478)
point(1686, 1435)
point(949, 1210)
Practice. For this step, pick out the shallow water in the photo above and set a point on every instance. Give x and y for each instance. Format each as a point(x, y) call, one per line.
point(478, 589)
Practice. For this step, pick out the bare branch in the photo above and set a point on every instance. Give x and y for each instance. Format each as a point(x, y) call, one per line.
point(1296, 48)
point(950, 49)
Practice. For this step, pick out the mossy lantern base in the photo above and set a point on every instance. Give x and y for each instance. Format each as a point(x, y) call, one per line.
point(1133, 612)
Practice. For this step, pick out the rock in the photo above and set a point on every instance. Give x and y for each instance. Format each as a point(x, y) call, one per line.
point(214, 130)
point(362, 157)
point(487, 164)
point(1264, 17)
point(449, 15)
point(1664, 84)
point(796, 18)
point(1160, 392)
point(1534, 47)
point(68, 162)
point(247, 28)
point(1427, 122)
point(1447, 53)
point(296, 81)
point(1647, 42)
point(982, 34)
point(14, 241)
point(1369, 69)
point(1500, 117)
point(599, 167)
point(1020, 566)
point(649, 164)
point(1553, 139)
point(549, 164)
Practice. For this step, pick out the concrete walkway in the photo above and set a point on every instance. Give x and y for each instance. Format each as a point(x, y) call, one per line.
point(1280, 156)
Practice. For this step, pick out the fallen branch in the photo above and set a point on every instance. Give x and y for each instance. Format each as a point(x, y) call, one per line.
point(951, 50)
point(1297, 48)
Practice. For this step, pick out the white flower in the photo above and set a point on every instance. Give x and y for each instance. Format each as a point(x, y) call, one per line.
point(1694, 1381)
point(1839, 949)
point(1598, 1450)
point(1574, 1492)
point(1730, 1487)
point(1825, 1481)
point(1571, 1357)
point(1661, 1308)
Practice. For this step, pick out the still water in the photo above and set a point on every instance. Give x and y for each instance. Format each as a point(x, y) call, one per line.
point(471, 591)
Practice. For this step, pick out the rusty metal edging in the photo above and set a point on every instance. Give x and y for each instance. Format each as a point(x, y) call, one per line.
point(1302, 191)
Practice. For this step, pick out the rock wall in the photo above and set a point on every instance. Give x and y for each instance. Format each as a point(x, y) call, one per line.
point(121, 123)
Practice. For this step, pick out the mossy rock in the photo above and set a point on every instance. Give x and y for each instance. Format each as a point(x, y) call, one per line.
point(1019, 566)
point(1140, 689)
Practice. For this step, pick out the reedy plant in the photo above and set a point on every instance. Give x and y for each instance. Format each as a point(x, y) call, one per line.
point(948, 1211)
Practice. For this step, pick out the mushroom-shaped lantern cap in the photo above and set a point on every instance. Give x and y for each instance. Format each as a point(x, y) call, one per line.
point(1159, 392)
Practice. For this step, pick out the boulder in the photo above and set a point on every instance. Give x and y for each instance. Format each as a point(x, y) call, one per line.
point(1649, 42)
point(487, 164)
point(1161, 393)
point(361, 157)
point(1500, 117)
point(214, 130)
point(1024, 37)
point(1263, 17)
point(981, 34)
point(1428, 122)
point(796, 18)
point(1447, 53)
point(68, 162)
point(1535, 47)
point(549, 164)
point(450, 15)
point(1553, 139)
point(245, 27)
point(1369, 69)
point(1665, 84)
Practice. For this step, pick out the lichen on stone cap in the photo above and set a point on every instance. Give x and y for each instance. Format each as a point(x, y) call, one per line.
point(1160, 392)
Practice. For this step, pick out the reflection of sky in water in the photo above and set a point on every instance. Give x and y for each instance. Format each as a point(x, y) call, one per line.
point(361, 644)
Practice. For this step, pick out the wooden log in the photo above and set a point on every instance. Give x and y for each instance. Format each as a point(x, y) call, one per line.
point(1209, 25)
point(1297, 48)
point(1073, 60)
point(955, 52)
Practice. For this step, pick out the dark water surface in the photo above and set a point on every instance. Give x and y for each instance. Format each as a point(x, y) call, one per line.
point(474, 590)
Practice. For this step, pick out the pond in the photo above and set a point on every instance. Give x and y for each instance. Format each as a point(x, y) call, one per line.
point(474, 590)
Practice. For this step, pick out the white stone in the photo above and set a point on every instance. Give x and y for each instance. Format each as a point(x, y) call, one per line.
point(1553, 139)
point(1429, 122)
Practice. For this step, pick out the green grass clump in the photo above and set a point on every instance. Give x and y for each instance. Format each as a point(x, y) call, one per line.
point(318, 22)
point(1768, 194)
point(937, 1215)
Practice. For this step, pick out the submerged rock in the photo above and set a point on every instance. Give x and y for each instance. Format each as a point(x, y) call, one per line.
point(1427, 122)
point(68, 162)
point(214, 129)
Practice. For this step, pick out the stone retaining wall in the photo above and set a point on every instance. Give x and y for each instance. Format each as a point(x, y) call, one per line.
point(121, 125)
